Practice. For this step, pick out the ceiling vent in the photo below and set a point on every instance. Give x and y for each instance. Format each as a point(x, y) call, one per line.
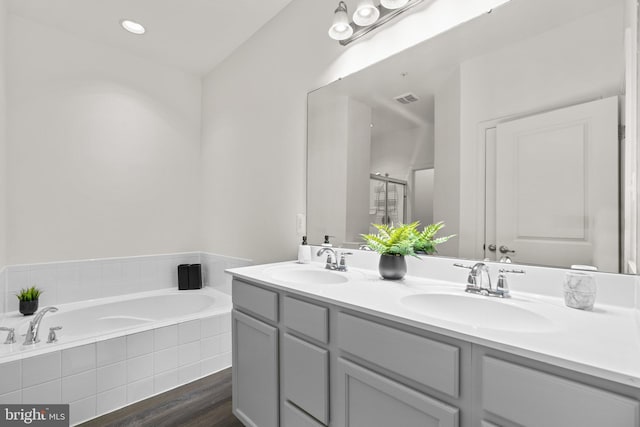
point(407, 98)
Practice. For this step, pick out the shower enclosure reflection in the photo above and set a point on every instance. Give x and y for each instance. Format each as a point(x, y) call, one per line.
point(388, 199)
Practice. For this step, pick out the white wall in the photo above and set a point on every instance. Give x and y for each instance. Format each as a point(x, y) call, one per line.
point(328, 126)
point(446, 182)
point(533, 76)
point(254, 118)
point(3, 135)
point(103, 150)
point(423, 196)
point(340, 127)
point(399, 152)
point(358, 154)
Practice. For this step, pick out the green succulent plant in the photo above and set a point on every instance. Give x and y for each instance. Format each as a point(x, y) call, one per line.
point(425, 240)
point(29, 294)
point(393, 240)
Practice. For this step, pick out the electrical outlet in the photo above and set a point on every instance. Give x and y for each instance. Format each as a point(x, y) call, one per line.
point(301, 224)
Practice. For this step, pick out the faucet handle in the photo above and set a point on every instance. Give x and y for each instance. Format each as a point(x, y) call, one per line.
point(52, 334)
point(11, 336)
point(343, 260)
point(502, 288)
point(472, 279)
point(468, 267)
point(513, 270)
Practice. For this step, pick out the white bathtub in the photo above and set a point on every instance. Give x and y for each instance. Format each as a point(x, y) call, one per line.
point(99, 319)
point(114, 351)
point(136, 311)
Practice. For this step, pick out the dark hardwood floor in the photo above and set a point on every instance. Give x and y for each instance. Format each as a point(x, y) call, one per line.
point(202, 403)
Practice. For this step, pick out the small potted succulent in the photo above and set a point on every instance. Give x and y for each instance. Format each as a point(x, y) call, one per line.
point(393, 243)
point(29, 300)
point(426, 242)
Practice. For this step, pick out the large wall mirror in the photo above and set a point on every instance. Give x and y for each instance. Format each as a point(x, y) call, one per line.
point(509, 128)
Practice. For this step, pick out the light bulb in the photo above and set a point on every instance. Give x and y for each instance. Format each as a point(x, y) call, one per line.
point(340, 29)
point(132, 26)
point(366, 13)
point(393, 4)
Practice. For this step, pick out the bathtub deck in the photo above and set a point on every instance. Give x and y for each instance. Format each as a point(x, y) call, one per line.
point(205, 402)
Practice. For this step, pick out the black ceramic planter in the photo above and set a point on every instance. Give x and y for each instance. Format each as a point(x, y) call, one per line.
point(28, 307)
point(392, 267)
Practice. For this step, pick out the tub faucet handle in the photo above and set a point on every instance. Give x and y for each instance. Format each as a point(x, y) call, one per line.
point(52, 334)
point(11, 336)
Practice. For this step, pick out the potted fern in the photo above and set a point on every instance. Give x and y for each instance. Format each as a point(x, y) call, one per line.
point(393, 243)
point(28, 300)
point(426, 242)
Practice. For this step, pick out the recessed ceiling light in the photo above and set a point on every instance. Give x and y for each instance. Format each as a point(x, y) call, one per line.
point(132, 26)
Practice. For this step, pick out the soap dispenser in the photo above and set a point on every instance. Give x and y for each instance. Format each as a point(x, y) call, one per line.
point(304, 252)
point(327, 243)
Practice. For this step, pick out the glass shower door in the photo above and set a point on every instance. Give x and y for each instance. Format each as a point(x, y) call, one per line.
point(388, 200)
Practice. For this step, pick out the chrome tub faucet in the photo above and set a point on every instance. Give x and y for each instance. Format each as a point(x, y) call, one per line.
point(34, 325)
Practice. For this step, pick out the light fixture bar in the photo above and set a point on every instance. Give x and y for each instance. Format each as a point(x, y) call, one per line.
point(386, 15)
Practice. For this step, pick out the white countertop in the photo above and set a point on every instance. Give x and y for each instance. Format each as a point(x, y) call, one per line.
point(604, 342)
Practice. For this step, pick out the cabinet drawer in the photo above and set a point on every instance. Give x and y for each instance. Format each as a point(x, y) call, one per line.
point(308, 319)
point(257, 300)
point(430, 362)
point(372, 400)
point(293, 417)
point(306, 377)
point(537, 399)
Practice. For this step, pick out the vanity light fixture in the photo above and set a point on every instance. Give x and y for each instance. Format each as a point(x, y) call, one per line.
point(132, 26)
point(367, 17)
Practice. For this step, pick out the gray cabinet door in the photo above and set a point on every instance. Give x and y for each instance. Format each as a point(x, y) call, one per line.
point(306, 376)
point(368, 399)
point(255, 371)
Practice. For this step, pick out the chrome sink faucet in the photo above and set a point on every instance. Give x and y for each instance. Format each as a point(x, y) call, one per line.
point(34, 326)
point(335, 261)
point(479, 280)
point(479, 277)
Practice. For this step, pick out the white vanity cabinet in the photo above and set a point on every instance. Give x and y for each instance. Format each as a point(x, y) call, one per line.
point(302, 362)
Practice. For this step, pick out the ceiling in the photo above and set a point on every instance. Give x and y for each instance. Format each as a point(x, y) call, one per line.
point(192, 35)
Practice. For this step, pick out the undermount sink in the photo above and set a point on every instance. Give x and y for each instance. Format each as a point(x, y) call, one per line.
point(303, 274)
point(478, 312)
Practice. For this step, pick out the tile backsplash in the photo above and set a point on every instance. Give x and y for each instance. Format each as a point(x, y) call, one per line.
point(65, 282)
